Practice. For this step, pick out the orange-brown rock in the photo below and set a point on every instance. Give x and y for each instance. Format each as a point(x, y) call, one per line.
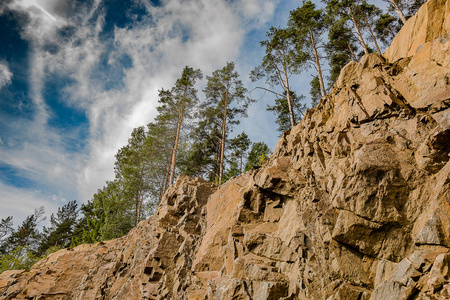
point(354, 203)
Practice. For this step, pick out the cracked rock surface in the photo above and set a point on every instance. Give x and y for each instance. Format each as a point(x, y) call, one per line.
point(354, 203)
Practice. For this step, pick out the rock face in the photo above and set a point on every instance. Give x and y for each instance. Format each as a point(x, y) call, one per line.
point(353, 204)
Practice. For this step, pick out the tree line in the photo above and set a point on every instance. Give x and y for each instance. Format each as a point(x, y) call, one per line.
point(193, 137)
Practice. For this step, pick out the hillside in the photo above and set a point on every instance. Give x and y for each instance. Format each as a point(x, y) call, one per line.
point(354, 203)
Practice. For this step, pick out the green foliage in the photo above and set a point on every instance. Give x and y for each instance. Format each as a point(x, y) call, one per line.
point(281, 111)
point(414, 6)
point(27, 234)
point(315, 91)
point(308, 24)
point(233, 170)
point(94, 225)
point(176, 106)
point(306, 18)
point(225, 94)
point(82, 225)
point(141, 168)
point(6, 227)
point(200, 159)
point(386, 27)
point(131, 171)
point(282, 59)
point(348, 10)
point(19, 258)
point(226, 100)
point(239, 145)
point(113, 217)
point(60, 233)
point(258, 154)
point(340, 47)
point(18, 249)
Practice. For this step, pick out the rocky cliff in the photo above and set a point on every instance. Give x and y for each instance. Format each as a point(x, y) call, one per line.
point(353, 204)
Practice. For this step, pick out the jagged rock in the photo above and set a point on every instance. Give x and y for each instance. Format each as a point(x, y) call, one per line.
point(354, 203)
point(402, 273)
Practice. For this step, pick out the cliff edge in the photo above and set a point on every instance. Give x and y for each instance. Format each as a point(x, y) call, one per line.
point(354, 203)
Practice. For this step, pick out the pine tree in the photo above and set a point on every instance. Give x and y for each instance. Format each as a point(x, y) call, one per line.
point(6, 228)
point(201, 157)
point(110, 207)
point(369, 14)
point(86, 213)
point(308, 24)
point(340, 47)
point(398, 10)
point(258, 154)
point(414, 6)
point(225, 100)
point(314, 92)
point(240, 145)
point(346, 10)
point(281, 110)
point(279, 63)
point(131, 169)
point(386, 28)
point(26, 236)
point(61, 229)
point(178, 104)
point(159, 149)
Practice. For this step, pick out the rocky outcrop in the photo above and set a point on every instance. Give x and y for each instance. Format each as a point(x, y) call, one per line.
point(354, 203)
point(151, 261)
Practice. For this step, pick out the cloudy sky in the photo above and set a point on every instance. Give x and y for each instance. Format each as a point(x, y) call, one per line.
point(76, 76)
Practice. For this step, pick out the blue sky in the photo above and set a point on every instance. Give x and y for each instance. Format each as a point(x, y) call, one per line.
point(76, 76)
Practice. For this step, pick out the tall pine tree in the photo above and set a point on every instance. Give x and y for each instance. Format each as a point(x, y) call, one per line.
point(225, 100)
point(279, 63)
point(308, 24)
point(178, 104)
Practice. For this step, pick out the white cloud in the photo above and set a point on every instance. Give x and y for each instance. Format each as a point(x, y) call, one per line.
point(39, 156)
point(201, 33)
point(21, 203)
point(216, 33)
point(5, 75)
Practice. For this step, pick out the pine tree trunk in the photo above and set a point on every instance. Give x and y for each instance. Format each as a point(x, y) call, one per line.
point(319, 70)
point(139, 194)
point(177, 139)
point(398, 11)
point(222, 146)
point(288, 93)
point(242, 154)
point(373, 36)
point(139, 204)
point(291, 111)
point(351, 51)
point(361, 40)
point(138, 213)
point(166, 178)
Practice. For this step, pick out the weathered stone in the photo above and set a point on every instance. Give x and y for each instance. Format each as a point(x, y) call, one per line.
point(357, 232)
point(441, 265)
point(402, 273)
point(349, 292)
point(352, 204)
point(384, 271)
point(388, 290)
